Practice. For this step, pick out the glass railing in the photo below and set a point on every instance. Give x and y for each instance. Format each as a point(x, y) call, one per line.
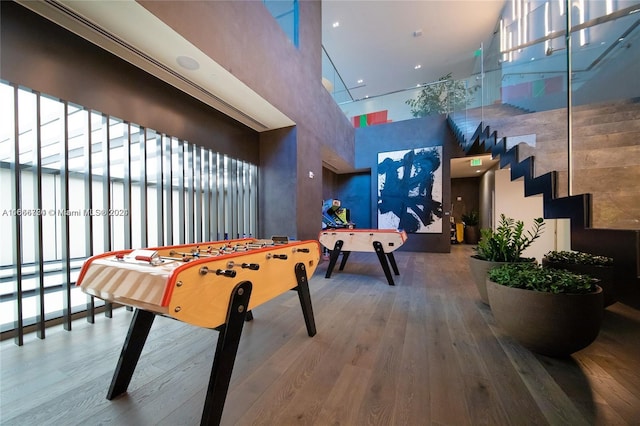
point(286, 13)
point(332, 81)
point(400, 105)
point(573, 94)
point(531, 75)
point(570, 94)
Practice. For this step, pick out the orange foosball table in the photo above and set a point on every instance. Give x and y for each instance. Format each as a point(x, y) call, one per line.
point(381, 241)
point(213, 285)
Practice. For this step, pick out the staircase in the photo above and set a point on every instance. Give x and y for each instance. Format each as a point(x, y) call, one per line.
point(607, 154)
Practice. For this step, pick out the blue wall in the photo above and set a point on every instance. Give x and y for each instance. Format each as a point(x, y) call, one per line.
point(359, 192)
point(353, 193)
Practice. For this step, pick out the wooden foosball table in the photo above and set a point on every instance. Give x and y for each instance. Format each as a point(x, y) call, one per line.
point(213, 285)
point(381, 241)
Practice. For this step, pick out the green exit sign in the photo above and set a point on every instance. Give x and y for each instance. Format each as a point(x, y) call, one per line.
point(476, 162)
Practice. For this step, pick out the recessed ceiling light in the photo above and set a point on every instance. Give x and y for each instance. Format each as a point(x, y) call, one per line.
point(417, 67)
point(187, 62)
point(336, 24)
point(360, 81)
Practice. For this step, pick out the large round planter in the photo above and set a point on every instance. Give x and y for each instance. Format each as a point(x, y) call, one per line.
point(471, 234)
point(546, 323)
point(603, 273)
point(479, 270)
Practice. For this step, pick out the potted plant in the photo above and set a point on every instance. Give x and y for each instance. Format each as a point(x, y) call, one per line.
point(504, 245)
point(471, 231)
point(600, 267)
point(553, 312)
point(441, 97)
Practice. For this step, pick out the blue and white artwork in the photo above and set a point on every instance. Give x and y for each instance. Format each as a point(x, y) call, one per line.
point(410, 190)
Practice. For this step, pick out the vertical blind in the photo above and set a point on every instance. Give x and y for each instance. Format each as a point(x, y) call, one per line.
point(77, 182)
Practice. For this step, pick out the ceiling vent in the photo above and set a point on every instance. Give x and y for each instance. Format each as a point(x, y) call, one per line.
point(225, 106)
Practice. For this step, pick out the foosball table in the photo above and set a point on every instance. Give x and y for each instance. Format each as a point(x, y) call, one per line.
point(213, 285)
point(381, 241)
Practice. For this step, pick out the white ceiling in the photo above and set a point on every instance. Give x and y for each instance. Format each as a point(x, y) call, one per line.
point(375, 40)
point(129, 31)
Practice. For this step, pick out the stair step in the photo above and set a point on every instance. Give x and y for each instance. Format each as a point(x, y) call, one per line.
point(611, 175)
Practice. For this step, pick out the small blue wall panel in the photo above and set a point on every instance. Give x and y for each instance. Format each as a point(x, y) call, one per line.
point(353, 193)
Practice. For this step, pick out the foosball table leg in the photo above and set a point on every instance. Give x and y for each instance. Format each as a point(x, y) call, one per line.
point(305, 298)
point(333, 257)
point(133, 344)
point(392, 261)
point(383, 261)
point(225, 356)
point(345, 256)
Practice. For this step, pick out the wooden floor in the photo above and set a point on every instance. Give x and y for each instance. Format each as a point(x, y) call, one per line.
point(425, 352)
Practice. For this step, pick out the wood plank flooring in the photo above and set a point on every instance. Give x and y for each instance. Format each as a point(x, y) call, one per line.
point(424, 352)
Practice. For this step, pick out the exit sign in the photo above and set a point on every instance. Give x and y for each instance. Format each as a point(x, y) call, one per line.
point(476, 162)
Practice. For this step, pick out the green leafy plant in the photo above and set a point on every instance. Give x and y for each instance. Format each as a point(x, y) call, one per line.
point(534, 277)
point(508, 241)
point(578, 258)
point(471, 219)
point(441, 98)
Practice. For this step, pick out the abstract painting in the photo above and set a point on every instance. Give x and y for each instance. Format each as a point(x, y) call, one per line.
point(410, 190)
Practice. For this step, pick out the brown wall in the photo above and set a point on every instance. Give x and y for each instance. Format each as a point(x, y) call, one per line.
point(329, 184)
point(244, 38)
point(278, 154)
point(468, 190)
point(241, 36)
point(45, 57)
point(605, 141)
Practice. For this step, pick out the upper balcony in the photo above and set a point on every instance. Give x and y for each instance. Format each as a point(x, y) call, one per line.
point(532, 63)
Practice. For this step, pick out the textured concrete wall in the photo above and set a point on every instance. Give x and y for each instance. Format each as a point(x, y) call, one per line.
point(45, 57)
point(277, 153)
point(244, 38)
point(605, 155)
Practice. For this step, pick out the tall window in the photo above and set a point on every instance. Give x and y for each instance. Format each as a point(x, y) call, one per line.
point(77, 182)
point(286, 13)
